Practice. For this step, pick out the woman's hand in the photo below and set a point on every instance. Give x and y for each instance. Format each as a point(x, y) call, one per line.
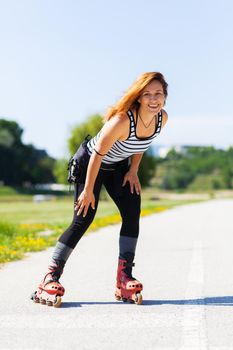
point(132, 178)
point(84, 200)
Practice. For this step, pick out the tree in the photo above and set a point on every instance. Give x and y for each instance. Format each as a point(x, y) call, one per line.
point(60, 171)
point(147, 168)
point(91, 127)
point(12, 130)
point(78, 134)
point(19, 163)
point(198, 167)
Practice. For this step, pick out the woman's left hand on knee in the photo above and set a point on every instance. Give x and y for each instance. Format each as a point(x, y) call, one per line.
point(85, 199)
point(133, 180)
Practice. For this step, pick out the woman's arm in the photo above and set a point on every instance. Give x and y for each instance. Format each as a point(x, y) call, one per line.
point(135, 161)
point(111, 132)
point(131, 176)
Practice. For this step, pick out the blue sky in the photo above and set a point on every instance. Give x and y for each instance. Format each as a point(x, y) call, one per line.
point(61, 61)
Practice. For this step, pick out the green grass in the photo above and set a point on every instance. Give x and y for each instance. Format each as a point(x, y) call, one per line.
point(16, 240)
point(60, 210)
point(54, 212)
point(7, 191)
point(22, 220)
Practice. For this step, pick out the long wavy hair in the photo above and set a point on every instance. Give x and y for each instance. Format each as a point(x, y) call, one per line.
point(129, 99)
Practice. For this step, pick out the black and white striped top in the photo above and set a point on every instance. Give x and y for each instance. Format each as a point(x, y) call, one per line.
point(121, 150)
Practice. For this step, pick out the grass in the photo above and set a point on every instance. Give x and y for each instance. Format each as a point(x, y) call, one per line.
point(16, 240)
point(23, 221)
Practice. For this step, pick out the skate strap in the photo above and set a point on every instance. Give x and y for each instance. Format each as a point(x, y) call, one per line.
point(50, 280)
point(127, 264)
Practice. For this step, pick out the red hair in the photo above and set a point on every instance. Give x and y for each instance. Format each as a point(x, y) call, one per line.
point(129, 99)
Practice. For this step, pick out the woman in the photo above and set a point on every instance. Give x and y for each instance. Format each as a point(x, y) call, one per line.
point(112, 158)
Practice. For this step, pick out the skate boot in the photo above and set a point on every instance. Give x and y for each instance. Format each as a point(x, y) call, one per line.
point(127, 287)
point(50, 290)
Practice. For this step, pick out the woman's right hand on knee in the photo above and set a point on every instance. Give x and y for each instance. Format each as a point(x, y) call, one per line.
point(85, 199)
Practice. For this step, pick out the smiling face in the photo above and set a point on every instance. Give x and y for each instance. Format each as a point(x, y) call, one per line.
point(152, 98)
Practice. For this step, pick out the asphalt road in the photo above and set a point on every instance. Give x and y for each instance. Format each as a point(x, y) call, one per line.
point(185, 261)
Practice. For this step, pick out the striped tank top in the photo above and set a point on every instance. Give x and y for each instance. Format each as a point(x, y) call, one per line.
point(121, 150)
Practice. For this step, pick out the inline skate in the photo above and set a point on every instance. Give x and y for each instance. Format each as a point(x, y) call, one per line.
point(50, 290)
point(127, 287)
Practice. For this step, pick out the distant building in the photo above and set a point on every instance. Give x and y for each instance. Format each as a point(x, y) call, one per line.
point(52, 187)
point(162, 151)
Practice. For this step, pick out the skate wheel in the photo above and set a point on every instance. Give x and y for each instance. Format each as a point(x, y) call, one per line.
point(34, 298)
point(118, 297)
point(138, 299)
point(57, 302)
point(124, 300)
point(43, 301)
point(49, 303)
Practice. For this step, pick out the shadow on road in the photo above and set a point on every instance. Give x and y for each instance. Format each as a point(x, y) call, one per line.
point(218, 301)
point(81, 303)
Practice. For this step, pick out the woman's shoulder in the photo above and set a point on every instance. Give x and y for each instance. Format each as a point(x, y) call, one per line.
point(119, 119)
point(120, 124)
point(165, 117)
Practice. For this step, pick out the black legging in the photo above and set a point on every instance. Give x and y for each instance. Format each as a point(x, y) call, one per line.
point(128, 204)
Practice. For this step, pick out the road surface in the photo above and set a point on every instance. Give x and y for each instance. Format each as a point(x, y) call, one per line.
point(185, 261)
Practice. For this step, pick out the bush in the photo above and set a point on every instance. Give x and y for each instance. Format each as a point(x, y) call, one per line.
point(206, 183)
point(6, 190)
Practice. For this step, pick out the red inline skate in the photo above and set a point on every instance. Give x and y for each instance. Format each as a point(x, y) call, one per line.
point(50, 290)
point(127, 287)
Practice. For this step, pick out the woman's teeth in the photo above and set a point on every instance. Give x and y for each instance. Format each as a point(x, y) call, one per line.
point(153, 106)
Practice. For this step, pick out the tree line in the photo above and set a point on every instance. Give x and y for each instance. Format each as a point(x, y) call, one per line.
point(193, 168)
point(20, 164)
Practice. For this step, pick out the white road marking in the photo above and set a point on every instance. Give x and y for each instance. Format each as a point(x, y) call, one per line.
point(193, 323)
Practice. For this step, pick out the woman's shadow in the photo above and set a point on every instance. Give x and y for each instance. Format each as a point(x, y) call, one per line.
point(214, 301)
